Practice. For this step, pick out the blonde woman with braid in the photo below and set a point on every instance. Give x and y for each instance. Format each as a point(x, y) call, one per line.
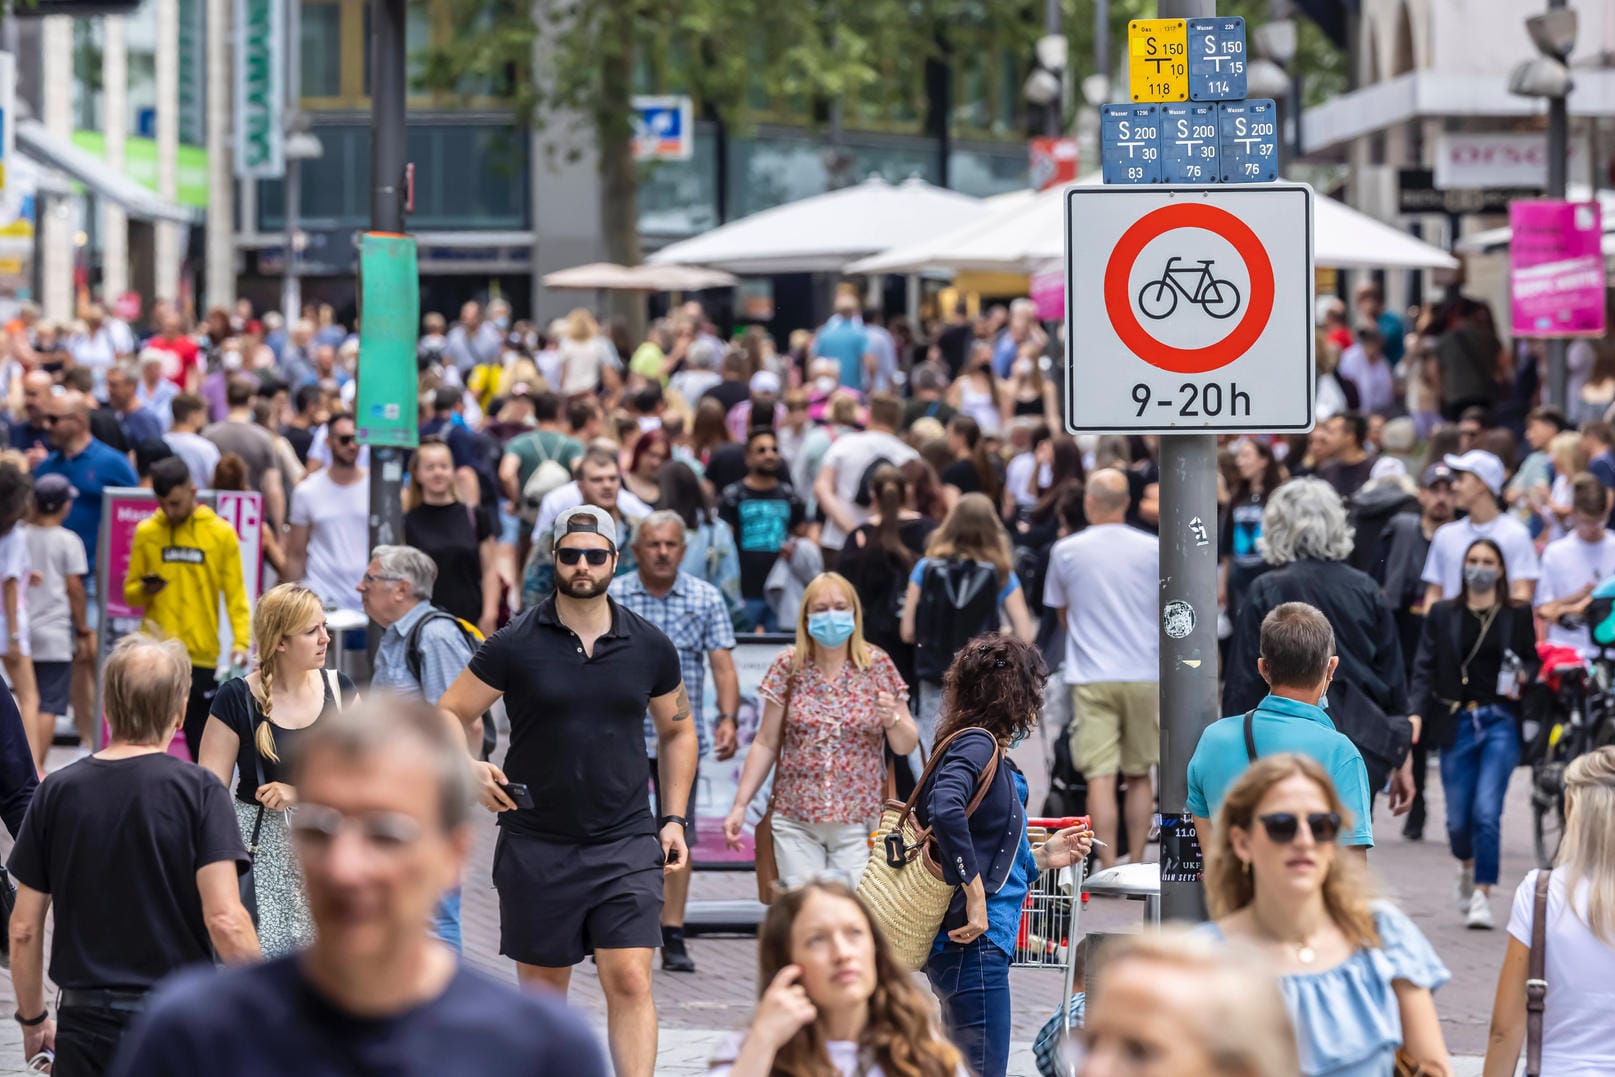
point(253, 722)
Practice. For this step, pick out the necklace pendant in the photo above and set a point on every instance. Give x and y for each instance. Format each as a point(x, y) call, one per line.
point(1306, 955)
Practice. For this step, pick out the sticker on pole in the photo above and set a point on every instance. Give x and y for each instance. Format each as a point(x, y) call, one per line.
point(1189, 309)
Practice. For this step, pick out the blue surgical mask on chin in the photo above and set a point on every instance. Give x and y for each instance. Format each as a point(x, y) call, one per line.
point(832, 628)
point(1015, 741)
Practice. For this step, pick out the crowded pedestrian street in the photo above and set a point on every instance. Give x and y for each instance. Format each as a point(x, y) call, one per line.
point(697, 1013)
point(902, 539)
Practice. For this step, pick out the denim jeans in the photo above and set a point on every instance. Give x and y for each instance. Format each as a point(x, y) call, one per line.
point(760, 615)
point(446, 919)
point(927, 715)
point(973, 984)
point(1474, 778)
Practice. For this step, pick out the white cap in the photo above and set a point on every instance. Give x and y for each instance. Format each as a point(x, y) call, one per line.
point(764, 381)
point(1483, 465)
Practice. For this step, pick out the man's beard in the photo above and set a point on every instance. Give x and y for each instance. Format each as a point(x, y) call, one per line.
point(580, 586)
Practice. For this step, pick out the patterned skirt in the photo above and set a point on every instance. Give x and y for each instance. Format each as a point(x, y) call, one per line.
point(283, 920)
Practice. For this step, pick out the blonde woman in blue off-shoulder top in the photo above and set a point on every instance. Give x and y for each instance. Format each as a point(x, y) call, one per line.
point(1357, 975)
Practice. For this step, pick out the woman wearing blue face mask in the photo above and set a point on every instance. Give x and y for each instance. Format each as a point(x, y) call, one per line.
point(992, 693)
point(830, 703)
point(1477, 650)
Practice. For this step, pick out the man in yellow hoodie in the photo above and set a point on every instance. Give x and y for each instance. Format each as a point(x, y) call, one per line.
point(183, 561)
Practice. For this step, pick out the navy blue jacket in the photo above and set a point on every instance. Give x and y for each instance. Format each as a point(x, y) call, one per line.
point(18, 778)
point(986, 843)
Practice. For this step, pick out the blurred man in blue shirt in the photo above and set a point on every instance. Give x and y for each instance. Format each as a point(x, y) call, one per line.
point(844, 339)
point(1297, 661)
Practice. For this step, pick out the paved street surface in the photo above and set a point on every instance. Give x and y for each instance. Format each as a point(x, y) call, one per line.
point(697, 1011)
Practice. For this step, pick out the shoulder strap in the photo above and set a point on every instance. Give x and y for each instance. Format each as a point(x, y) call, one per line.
point(412, 642)
point(1250, 734)
point(335, 685)
point(1536, 983)
point(937, 752)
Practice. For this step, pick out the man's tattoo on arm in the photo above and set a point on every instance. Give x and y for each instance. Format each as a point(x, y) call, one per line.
point(681, 705)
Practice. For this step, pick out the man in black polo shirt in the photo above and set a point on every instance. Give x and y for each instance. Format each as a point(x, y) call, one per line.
point(581, 869)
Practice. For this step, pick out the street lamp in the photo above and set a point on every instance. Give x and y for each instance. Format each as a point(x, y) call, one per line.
point(1547, 75)
point(301, 145)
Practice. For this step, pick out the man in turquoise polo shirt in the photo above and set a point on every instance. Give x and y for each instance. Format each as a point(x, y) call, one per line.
point(1297, 662)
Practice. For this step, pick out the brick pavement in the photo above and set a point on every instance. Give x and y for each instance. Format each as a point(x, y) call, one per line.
point(697, 1011)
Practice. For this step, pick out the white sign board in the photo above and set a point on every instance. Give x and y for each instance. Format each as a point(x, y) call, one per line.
point(1499, 160)
point(1189, 309)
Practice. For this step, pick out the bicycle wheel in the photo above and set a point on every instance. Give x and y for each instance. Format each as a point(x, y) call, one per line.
point(1158, 299)
point(1220, 299)
point(1547, 811)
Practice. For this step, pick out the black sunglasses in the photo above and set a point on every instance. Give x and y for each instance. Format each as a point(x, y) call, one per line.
point(571, 556)
point(1283, 826)
point(345, 439)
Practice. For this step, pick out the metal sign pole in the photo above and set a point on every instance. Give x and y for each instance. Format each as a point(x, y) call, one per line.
point(1188, 528)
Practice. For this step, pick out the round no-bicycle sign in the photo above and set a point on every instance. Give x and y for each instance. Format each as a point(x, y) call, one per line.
point(1186, 286)
point(1189, 309)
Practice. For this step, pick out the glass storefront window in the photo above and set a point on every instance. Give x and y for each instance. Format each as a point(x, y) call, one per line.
point(321, 39)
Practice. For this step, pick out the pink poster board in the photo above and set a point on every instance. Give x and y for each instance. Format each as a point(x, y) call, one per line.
point(1556, 269)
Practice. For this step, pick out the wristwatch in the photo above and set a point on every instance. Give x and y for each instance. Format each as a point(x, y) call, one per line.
point(679, 819)
point(728, 718)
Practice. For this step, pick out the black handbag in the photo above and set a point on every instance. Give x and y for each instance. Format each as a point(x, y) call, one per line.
point(1382, 739)
point(8, 901)
point(248, 880)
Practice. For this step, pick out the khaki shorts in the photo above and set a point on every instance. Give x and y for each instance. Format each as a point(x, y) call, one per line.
point(1116, 726)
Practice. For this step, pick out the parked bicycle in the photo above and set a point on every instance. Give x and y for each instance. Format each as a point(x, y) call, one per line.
point(1216, 296)
point(1580, 716)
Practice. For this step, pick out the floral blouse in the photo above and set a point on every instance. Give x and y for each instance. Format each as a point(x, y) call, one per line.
point(831, 767)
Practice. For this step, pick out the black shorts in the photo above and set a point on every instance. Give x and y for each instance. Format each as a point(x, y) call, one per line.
point(560, 902)
point(55, 681)
point(689, 809)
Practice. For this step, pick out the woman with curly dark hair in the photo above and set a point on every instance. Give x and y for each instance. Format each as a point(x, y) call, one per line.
point(834, 1001)
point(992, 695)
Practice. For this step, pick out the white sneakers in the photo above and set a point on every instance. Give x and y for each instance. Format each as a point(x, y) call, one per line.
point(1464, 888)
point(1479, 913)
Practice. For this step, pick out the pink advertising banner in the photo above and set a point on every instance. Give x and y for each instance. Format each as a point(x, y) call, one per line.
point(1556, 269)
point(1048, 295)
point(122, 510)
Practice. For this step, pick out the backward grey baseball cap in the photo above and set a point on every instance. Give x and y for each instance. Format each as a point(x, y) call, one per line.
point(588, 519)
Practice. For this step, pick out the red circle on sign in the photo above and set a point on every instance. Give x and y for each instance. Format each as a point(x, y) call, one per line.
point(1119, 304)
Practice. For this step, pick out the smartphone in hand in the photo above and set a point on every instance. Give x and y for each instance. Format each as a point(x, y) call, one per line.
point(519, 795)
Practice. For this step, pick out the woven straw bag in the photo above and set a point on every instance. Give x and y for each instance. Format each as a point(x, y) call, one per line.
point(903, 885)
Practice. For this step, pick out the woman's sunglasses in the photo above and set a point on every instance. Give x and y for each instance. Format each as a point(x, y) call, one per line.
point(570, 556)
point(1283, 826)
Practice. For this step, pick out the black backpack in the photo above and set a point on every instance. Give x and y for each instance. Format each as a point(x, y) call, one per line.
point(958, 601)
point(865, 496)
point(412, 661)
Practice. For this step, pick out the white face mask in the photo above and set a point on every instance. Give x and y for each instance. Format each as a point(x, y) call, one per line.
point(824, 385)
point(231, 361)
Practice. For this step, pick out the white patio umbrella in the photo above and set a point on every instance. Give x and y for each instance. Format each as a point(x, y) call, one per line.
point(611, 277)
point(932, 253)
point(826, 232)
point(1031, 237)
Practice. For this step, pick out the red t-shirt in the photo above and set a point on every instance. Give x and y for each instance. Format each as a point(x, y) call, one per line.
point(186, 357)
point(1341, 338)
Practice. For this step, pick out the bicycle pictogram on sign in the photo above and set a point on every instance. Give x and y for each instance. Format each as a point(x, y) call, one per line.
point(1159, 298)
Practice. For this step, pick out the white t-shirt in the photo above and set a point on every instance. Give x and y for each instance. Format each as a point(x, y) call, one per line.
point(199, 454)
point(14, 565)
point(338, 519)
point(55, 553)
point(1568, 565)
point(1017, 474)
point(851, 455)
point(843, 1058)
point(1445, 562)
point(1107, 578)
point(1578, 1026)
